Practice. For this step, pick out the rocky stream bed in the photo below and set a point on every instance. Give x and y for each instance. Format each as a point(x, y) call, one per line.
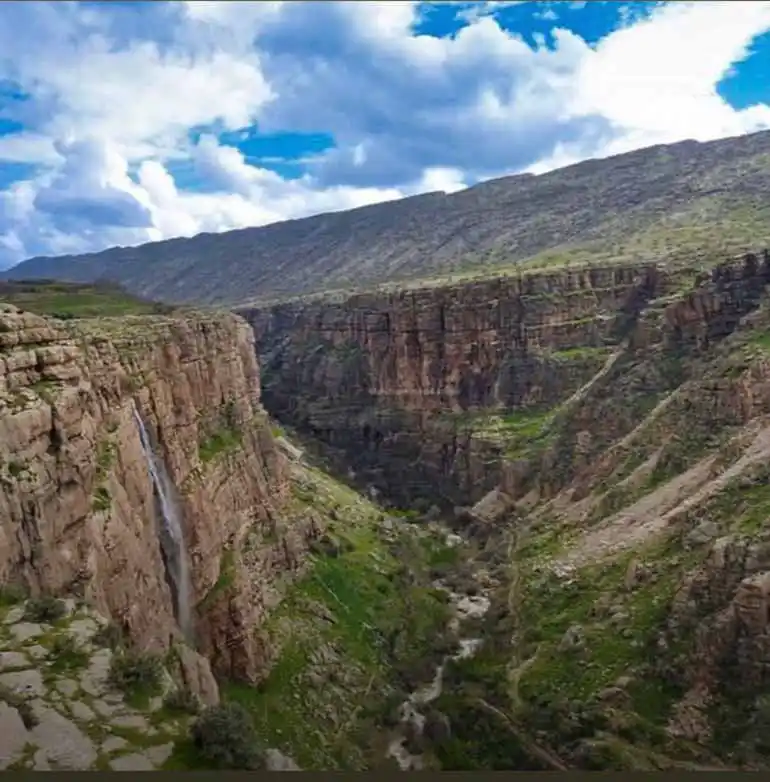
point(412, 719)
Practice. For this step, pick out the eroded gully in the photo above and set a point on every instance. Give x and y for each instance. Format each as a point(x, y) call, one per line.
point(411, 711)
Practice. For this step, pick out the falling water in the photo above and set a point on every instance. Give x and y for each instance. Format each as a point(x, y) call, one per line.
point(171, 537)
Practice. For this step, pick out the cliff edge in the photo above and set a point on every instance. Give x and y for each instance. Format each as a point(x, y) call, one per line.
point(139, 473)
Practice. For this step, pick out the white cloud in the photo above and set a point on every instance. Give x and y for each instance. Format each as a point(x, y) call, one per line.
point(658, 77)
point(470, 12)
point(30, 148)
point(113, 93)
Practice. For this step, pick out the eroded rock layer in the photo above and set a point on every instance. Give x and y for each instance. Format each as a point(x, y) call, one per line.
point(626, 502)
point(394, 380)
point(77, 503)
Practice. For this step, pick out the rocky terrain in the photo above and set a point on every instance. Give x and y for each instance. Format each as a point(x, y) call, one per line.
point(424, 392)
point(676, 203)
point(511, 523)
point(166, 549)
point(76, 493)
point(58, 708)
point(627, 501)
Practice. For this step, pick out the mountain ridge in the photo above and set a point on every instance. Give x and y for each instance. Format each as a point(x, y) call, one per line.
point(680, 202)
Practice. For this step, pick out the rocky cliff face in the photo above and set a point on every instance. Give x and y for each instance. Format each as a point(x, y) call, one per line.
point(636, 527)
point(402, 383)
point(80, 513)
point(620, 428)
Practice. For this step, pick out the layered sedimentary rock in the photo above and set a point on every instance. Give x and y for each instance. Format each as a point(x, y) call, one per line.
point(78, 506)
point(394, 380)
point(662, 375)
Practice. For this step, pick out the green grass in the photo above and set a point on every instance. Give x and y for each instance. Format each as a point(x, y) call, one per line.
point(223, 582)
point(139, 676)
point(225, 439)
point(518, 432)
point(760, 339)
point(550, 606)
point(362, 617)
point(75, 300)
point(11, 595)
point(564, 680)
point(66, 654)
point(102, 500)
point(742, 508)
point(582, 353)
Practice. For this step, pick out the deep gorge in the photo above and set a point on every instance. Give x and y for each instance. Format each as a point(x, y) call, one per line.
point(597, 437)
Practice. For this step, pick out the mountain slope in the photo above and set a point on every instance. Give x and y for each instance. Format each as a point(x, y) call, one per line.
point(681, 201)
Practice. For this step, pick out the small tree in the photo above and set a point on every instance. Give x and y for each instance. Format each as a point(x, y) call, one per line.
point(225, 736)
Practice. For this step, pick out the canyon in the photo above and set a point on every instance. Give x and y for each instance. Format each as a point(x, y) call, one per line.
point(504, 506)
point(144, 484)
point(602, 434)
point(263, 498)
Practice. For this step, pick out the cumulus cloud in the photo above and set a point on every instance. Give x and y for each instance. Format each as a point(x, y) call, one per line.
point(92, 188)
point(113, 99)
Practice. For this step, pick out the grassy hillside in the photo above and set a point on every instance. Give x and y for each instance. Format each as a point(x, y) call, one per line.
point(686, 202)
point(351, 636)
point(632, 628)
point(66, 300)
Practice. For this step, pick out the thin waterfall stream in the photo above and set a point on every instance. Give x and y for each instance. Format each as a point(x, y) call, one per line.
point(170, 531)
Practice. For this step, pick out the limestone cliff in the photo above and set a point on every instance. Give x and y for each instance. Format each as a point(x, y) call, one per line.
point(615, 433)
point(635, 622)
point(78, 506)
point(394, 380)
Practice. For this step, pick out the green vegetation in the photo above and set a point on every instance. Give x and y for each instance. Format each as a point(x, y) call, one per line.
point(582, 353)
point(109, 636)
point(105, 456)
point(66, 654)
point(531, 694)
point(761, 339)
point(102, 500)
point(137, 674)
point(520, 433)
point(11, 595)
point(743, 506)
point(15, 469)
point(224, 736)
point(358, 629)
point(226, 434)
point(45, 609)
point(223, 582)
point(219, 442)
point(75, 300)
point(181, 701)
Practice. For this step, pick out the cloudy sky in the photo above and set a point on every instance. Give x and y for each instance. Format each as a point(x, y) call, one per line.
point(126, 122)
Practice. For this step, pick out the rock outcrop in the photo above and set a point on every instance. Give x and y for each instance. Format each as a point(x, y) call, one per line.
point(394, 380)
point(79, 510)
point(58, 709)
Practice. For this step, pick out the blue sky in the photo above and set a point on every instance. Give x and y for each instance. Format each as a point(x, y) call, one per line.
point(126, 122)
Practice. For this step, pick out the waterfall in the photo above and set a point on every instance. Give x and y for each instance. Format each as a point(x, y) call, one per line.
point(170, 531)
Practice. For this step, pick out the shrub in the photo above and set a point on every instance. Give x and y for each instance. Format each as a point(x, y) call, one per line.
point(182, 700)
point(110, 636)
point(224, 735)
point(66, 653)
point(136, 672)
point(45, 609)
point(11, 594)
